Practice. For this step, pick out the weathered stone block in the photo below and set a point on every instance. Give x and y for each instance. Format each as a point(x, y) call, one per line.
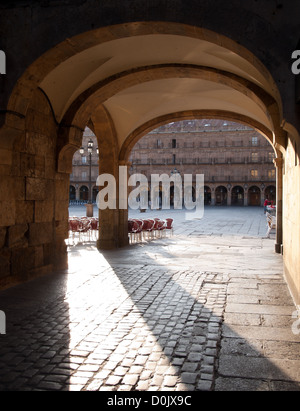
point(38, 189)
point(39, 256)
point(17, 236)
point(24, 212)
point(27, 164)
point(2, 236)
point(22, 261)
point(5, 156)
point(61, 210)
point(18, 186)
point(7, 213)
point(39, 166)
point(48, 252)
point(40, 233)
point(44, 211)
point(62, 189)
point(5, 255)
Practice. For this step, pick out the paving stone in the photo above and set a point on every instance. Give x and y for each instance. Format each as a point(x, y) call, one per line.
point(212, 320)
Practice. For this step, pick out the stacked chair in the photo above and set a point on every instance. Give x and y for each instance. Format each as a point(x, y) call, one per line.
point(83, 229)
point(148, 229)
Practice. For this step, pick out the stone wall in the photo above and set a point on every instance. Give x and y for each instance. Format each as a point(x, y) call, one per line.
point(34, 200)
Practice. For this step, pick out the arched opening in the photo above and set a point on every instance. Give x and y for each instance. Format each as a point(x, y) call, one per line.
point(123, 81)
point(207, 195)
point(254, 196)
point(270, 193)
point(72, 195)
point(140, 81)
point(84, 193)
point(221, 196)
point(237, 196)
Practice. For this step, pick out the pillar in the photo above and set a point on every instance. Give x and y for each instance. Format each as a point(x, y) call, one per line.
point(77, 192)
point(123, 239)
point(279, 176)
point(245, 196)
point(229, 196)
point(213, 196)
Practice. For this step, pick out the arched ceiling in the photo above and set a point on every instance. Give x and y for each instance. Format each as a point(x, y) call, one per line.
point(136, 104)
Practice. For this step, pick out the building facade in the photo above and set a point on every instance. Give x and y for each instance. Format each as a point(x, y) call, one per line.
point(237, 161)
point(80, 177)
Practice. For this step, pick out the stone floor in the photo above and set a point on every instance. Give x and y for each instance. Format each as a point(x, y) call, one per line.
point(205, 309)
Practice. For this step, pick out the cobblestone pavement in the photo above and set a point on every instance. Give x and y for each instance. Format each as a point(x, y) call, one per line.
point(199, 310)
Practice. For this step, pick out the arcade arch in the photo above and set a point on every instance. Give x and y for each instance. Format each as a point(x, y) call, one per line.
point(130, 87)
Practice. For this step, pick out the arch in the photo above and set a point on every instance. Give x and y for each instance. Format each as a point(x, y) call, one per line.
point(221, 195)
point(254, 196)
point(237, 195)
point(83, 193)
point(137, 134)
point(241, 74)
point(120, 96)
point(72, 193)
point(207, 195)
point(67, 51)
point(270, 193)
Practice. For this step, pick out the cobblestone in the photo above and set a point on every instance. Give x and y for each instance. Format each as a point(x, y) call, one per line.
point(209, 321)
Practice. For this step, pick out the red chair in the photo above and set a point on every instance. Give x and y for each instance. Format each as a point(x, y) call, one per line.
point(94, 227)
point(138, 228)
point(135, 227)
point(148, 228)
point(161, 225)
point(156, 228)
point(130, 229)
point(74, 227)
point(169, 225)
point(85, 227)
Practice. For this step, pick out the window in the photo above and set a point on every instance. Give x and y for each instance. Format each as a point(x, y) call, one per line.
point(174, 159)
point(83, 159)
point(83, 174)
point(158, 143)
point(254, 173)
point(254, 141)
point(254, 157)
point(174, 143)
point(271, 156)
point(271, 173)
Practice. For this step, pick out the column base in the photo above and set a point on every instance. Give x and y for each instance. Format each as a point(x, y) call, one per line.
point(89, 210)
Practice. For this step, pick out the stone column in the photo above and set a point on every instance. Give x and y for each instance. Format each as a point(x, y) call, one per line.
point(108, 218)
point(229, 196)
point(123, 239)
point(279, 176)
point(213, 196)
point(245, 196)
point(262, 196)
point(77, 192)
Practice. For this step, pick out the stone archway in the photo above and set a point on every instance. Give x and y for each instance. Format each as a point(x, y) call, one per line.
point(118, 99)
